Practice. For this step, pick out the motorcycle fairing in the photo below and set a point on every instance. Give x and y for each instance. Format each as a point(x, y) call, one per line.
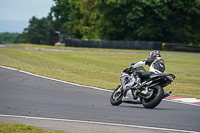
point(129, 98)
point(159, 75)
point(162, 78)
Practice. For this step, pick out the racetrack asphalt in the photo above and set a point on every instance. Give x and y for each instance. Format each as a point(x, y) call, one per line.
point(26, 98)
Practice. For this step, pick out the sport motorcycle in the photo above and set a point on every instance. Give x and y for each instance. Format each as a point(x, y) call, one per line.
point(151, 92)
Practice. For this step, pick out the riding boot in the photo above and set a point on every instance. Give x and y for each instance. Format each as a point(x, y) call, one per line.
point(137, 83)
point(137, 87)
point(127, 83)
point(126, 88)
point(125, 92)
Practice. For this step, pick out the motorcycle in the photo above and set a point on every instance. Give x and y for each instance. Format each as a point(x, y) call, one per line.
point(151, 92)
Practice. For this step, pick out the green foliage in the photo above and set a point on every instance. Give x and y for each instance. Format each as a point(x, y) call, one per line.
point(111, 20)
point(74, 17)
point(39, 31)
point(167, 21)
point(83, 14)
point(60, 14)
point(9, 38)
point(151, 20)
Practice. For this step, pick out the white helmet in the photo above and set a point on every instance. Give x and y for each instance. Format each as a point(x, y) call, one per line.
point(154, 54)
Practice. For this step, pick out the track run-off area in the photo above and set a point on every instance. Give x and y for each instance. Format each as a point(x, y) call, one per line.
point(53, 104)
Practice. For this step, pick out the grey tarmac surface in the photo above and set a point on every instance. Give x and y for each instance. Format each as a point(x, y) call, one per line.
point(31, 96)
point(82, 127)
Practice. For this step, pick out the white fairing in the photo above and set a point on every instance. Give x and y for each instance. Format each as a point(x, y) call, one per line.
point(129, 98)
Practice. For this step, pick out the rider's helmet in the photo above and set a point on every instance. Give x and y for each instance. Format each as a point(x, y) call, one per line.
point(154, 54)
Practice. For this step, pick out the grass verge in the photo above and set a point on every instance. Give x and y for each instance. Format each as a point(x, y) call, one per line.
point(19, 128)
point(101, 69)
point(29, 46)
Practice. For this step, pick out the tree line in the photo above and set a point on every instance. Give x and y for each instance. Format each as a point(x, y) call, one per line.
point(6, 37)
point(172, 21)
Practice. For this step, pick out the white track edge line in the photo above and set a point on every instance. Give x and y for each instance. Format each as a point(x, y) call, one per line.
point(96, 88)
point(90, 121)
point(175, 101)
point(99, 123)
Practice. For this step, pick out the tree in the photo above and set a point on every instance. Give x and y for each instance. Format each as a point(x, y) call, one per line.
point(111, 22)
point(39, 31)
point(60, 14)
point(6, 38)
point(82, 22)
point(149, 20)
point(146, 20)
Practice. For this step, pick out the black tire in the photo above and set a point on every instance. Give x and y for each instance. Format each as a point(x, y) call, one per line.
point(116, 97)
point(155, 99)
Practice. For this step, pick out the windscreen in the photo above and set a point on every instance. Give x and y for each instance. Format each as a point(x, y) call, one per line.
point(140, 68)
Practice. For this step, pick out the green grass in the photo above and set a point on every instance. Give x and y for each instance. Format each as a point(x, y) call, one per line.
point(28, 46)
point(19, 128)
point(101, 69)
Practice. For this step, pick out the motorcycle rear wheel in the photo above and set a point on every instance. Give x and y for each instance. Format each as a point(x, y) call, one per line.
point(155, 99)
point(116, 97)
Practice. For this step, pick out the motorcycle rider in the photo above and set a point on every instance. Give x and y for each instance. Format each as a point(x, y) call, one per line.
point(131, 79)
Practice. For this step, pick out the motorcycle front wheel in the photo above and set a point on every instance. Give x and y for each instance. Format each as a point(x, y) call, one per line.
point(116, 97)
point(155, 99)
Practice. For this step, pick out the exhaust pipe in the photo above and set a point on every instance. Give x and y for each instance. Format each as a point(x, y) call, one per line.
point(167, 93)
